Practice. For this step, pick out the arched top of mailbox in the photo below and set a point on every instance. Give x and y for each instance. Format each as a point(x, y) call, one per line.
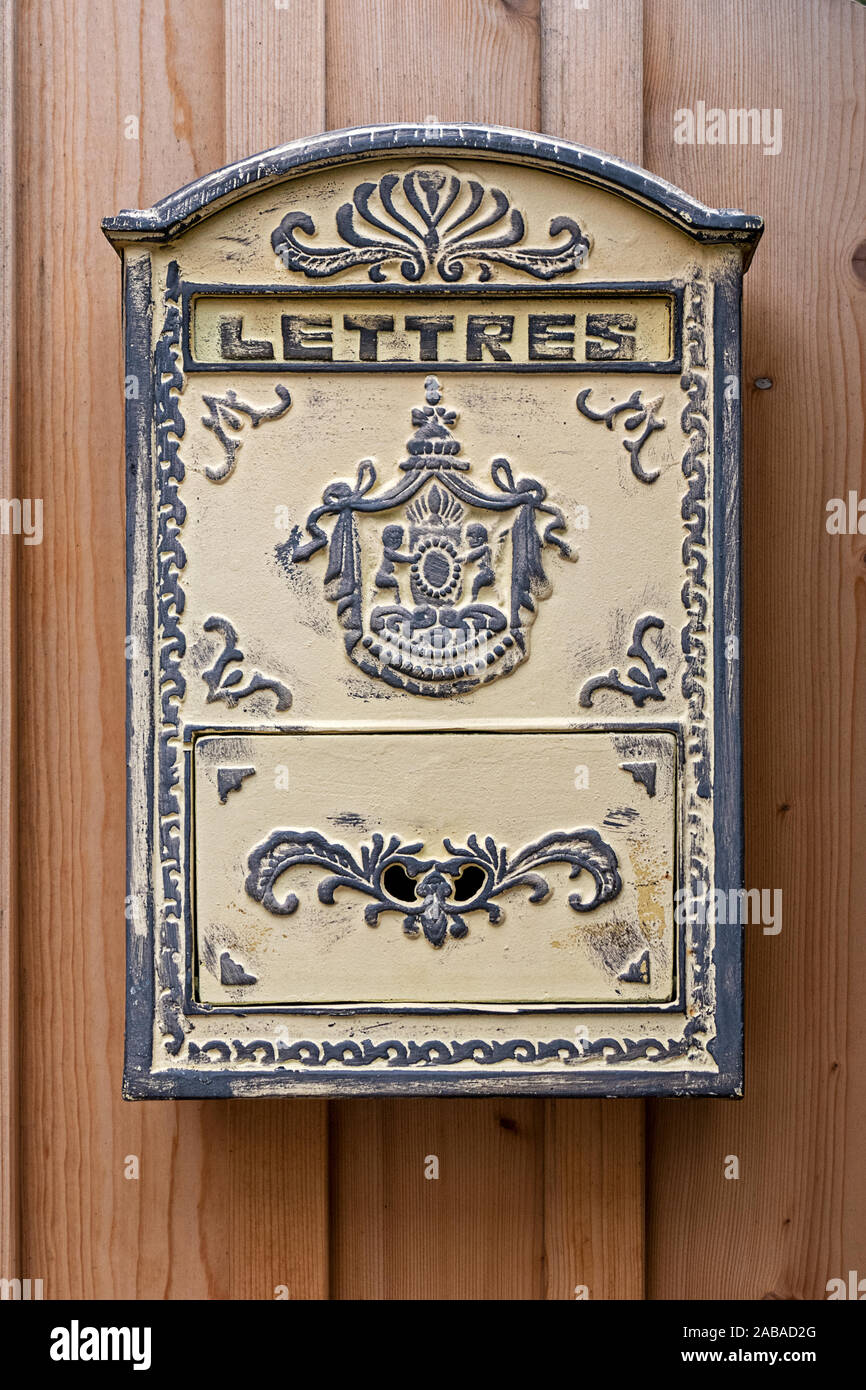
point(176, 213)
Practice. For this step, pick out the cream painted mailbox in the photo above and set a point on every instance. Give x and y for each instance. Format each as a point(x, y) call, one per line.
point(433, 441)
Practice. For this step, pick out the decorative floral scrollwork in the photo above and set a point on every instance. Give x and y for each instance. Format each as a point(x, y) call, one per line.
point(645, 685)
point(428, 218)
point(226, 685)
point(225, 412)
point(642, 413)
point(432, 894)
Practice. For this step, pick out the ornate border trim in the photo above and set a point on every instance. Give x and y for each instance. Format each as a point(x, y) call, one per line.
point(171, 559)
point(436, 1053)
point(694, 421)
point(197, 200)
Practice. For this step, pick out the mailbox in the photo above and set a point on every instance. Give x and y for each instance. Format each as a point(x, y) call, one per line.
point(433, 475)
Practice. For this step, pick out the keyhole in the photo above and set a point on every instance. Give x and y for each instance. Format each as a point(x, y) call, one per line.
point(469, 882)
point(398, 884)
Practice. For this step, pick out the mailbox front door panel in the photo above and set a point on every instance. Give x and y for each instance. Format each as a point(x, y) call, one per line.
point(433, 443)
point(432, 855)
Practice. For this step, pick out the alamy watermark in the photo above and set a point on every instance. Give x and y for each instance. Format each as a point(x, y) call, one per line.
point(77, 1343)
point(22, 517)
point(846, 517)
point(730, 907)
point(713, 125)
point(851, 1288)
point(24, 1290)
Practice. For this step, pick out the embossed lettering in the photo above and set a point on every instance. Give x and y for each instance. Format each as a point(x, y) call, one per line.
point(235, 348)
point(368, 327)
point(302, 341)
point(617, 329)
point(551, 337)
point(428, 327)
point(488, 331)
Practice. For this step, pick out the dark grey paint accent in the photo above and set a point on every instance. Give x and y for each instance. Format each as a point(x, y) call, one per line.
point(728, 771)
point(232, 973)
point(140, 998)
point(231, 779)
point(644, 774)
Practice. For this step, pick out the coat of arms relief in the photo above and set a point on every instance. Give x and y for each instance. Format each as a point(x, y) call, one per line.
point(439, 596)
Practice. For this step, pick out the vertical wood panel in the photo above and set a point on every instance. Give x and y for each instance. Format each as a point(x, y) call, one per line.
point(592, 92)
point(10, 1251)
point(273, 1192)
point(594, 1198)
point(452, 60)
point(796, 1216)
point(476, 1231)
point(275, 73)
point(81, 73)
point(592, 74)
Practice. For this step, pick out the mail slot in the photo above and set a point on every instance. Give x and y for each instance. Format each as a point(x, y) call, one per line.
point(433, 478)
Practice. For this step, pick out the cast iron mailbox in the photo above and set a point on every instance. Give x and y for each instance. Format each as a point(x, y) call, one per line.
point(433, 442)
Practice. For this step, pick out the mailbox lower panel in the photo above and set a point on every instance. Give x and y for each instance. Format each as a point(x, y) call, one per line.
point(434, 868)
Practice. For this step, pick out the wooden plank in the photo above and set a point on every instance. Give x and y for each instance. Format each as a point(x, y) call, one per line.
point(10, 1244)
point(474, 1231)
point(449, 60)
point(532, 1199)
point(796, 1216)
point(594, 1199)
point(592, 74)
point(275, 66)
point(191, 1225)
point(592, 92)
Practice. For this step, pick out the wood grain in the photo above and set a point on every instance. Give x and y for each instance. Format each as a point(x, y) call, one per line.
point(592, 74)
point(443, 60)
point(796, 1217)
point(10, 1234)
point(275, 70)
point(476, 1231)
point(77, 83)
point(594, 1199)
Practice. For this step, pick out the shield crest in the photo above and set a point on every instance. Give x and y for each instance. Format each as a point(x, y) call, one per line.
point(436, 574)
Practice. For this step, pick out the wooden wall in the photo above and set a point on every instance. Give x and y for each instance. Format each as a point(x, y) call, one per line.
point(234, 1199)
